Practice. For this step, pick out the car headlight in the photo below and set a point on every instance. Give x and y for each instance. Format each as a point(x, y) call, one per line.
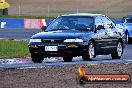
point(73, 40)
point(35, 40)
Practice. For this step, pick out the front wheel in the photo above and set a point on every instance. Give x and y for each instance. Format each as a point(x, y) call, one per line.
point(90, 54)
point(37, 58)
point(119, 51)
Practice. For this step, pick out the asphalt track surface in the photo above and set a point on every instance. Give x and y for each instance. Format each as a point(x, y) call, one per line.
point(18, 33)
point(57, 61)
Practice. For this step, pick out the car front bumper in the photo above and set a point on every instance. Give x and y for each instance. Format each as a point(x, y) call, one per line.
point(72, 49)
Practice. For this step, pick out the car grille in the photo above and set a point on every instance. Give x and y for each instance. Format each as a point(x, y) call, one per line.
point(52, 41)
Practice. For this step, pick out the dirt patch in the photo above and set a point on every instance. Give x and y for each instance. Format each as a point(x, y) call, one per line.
point(112, 8)
point(60, 77)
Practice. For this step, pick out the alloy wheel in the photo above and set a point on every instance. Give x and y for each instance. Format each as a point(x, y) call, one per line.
point(119, 49)
point(91, 50)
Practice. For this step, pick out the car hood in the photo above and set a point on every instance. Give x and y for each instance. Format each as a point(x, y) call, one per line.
point(59, 35)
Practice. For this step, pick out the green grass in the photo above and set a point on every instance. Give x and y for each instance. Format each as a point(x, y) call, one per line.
point(13, 49)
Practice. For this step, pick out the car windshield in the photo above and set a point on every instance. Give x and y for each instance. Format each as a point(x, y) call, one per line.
point(72, 22)
point(128, 20)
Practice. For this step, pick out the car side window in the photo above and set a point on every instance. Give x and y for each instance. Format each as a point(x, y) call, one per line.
point(85, 23)
point(99, 23)
point(107, 23)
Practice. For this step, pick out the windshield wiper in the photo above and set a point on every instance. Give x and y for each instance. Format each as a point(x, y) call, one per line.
point(83, 29)
point(57, 29)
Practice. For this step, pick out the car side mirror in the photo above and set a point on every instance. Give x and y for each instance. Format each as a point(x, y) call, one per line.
point(99, 27)
point(44, 28)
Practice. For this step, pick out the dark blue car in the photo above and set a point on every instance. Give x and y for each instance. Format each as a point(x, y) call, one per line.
point(81, 34)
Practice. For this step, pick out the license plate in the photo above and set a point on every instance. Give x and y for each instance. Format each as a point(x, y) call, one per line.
point(51, 48)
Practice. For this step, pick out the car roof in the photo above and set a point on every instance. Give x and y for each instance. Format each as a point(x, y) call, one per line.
point(84, 14)
point(128, 16)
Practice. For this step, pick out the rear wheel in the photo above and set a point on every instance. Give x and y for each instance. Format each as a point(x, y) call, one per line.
point(67, 58)
point(127, 38)
point(119, 51)
point(90, 54)
point(37, 58)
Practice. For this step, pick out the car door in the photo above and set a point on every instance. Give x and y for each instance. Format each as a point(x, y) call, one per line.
point(111, 32)
point(101, 34)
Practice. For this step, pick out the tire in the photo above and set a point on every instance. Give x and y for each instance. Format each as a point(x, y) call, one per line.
point(37, 58)
point(118, 52)
point(90, 53)
point(127, 38)
point(67, 58)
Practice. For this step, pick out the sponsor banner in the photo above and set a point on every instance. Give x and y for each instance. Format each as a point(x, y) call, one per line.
point(32, 23)
point(45, 22)
point(11, 23)
point(24, 23)
point(48, 21)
